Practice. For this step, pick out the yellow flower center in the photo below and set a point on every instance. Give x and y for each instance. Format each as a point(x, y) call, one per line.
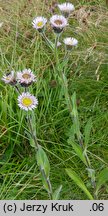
point(26, 76)
point(27, 101)
point(8, 77)
point(70, 43)
point(40, 24)
point(58, 22)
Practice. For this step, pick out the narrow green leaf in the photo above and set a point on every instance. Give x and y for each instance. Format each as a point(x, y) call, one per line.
point(33, 120)
point(77, 148)
point(74, 104)
point(56, 193)
point(91, 175)
point(102, 178)
point(73, 175)
point(75, 116)
point(71, 133)
point(87, 132)
point(32, 143)
point(43, 161)
point(44, 180)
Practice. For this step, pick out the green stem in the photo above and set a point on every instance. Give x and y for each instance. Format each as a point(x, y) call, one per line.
point(34, 137)
point(17, 89)
point(48, 183)
point(56, 50)
point(25, 89)
point(49, 43)
point(32, 132)
point(70, 107)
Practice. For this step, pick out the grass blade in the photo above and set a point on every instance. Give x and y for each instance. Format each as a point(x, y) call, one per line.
point(87, 132)
point(73, 175)
point(77, 148)
point(102, 178)
point(43, 161)
point(56, 193)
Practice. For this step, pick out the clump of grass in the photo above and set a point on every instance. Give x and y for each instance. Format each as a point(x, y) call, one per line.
point(86, 75)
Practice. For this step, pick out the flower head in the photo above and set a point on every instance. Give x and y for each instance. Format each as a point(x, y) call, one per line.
point(58, 23)
point(70, 42)
point(9, 78)
point(26, 77)
point(39, 23)
point(27, 102)
point(66, 8)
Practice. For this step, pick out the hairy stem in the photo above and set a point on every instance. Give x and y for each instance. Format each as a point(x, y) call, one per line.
point(17, 89)
point(49, 43)
point(34, 137)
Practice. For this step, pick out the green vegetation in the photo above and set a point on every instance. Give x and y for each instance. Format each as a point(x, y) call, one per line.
point(82, 172)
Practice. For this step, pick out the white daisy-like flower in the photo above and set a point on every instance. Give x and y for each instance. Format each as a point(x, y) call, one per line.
point(66, 8)
point(69, 42)
point(9, 78)
point(26, 77)
point(27, 102)
point(58, 22)
point(39, 23)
